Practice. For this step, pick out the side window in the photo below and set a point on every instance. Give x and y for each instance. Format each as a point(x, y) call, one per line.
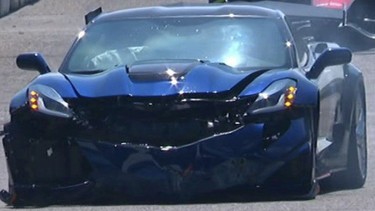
point(298, 29)
point(302, 51)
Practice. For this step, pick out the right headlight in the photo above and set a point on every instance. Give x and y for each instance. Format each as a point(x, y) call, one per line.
point(279, 95)
point(46, 100)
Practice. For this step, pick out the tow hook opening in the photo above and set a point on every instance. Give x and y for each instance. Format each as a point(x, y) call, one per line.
point(273, 130)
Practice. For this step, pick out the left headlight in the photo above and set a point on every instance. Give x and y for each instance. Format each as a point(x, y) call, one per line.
point(46, 100)
point(279, 95)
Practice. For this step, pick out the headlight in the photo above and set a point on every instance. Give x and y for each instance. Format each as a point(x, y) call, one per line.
point(277, 96)
point(46, 100)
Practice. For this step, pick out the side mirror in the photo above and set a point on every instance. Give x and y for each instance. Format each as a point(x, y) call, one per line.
point(33, 61)
point(330, 57)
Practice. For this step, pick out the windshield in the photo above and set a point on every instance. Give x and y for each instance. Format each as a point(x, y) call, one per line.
point(248, 43)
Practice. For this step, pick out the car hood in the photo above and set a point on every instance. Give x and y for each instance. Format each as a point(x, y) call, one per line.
point(163, 79)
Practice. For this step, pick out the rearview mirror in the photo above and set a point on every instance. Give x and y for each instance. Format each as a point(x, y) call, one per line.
point(33, 61)
point(330, 57)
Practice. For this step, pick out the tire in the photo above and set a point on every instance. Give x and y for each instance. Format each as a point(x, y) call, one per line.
point(355, 174)
point(4, 7)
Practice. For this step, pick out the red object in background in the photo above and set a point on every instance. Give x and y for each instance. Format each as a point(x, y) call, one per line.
point(334, 4)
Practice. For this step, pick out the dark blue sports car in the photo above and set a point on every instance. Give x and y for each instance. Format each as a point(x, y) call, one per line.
point(182, 101)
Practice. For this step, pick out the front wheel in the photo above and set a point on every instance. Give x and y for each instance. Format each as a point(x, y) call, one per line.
point(354, 176)
point(356, 173)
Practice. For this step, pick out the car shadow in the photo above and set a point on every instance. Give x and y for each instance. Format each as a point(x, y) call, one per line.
point(221, 197)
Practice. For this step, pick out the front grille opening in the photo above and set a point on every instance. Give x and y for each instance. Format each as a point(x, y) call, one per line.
point(274, 129)
point(156, 123)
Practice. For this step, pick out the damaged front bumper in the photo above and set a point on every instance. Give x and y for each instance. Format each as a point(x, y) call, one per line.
point(244, 157)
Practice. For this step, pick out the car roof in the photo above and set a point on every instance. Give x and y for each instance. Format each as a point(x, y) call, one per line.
point(191, 11)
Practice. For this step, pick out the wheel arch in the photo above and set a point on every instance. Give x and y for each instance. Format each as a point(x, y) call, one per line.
point(353, 78)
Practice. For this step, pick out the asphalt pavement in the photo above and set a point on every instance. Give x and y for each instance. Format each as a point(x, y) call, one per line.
point(50, 26)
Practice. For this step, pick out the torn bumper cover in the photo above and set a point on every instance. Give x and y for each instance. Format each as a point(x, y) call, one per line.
point(247, 156)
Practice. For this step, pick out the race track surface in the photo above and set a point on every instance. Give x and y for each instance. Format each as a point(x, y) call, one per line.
point(49, 26)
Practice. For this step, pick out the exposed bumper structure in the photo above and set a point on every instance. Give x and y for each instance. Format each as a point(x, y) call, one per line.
point(246, 157)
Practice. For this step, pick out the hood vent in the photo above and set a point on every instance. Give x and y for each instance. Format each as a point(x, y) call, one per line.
point(163, 70)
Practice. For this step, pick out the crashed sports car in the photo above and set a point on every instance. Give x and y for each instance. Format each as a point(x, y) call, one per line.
point(177, 102)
